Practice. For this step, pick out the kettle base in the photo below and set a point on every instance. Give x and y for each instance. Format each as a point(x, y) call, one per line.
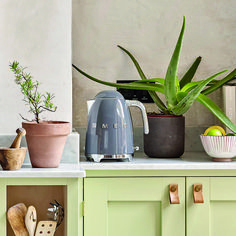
point(109, 158)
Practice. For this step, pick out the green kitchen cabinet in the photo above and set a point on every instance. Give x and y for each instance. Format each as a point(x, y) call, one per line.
point(133, 207)
point(138, 206)
point(216, 216)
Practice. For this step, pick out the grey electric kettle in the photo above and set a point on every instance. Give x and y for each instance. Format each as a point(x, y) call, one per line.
point(109, 133)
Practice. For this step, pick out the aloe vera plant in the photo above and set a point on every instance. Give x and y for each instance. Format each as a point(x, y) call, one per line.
point(179, 94)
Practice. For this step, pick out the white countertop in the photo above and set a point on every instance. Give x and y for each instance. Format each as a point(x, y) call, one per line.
point(189, 161)
point(64, 170)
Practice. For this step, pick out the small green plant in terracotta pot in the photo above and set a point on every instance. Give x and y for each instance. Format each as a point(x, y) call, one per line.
point(166, 136)
point(45, 139)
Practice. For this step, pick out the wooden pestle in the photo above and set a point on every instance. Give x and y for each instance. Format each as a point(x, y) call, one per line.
point(16, 143)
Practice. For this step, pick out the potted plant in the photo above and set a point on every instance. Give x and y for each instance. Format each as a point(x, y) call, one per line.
point(166, 139)
point(45, 139)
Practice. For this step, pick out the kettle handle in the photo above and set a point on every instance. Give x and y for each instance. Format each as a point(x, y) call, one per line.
point(138, 104)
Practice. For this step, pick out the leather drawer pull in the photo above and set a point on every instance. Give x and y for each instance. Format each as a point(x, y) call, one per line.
point(174, 194)
point(197, 193)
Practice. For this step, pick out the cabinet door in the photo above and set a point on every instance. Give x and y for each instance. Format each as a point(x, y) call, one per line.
point(217, 215)
point(133, 207)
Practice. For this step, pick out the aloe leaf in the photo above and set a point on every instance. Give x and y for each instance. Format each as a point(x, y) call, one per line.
point(153, 95)
point(177, 85)
point(208, 103)
point(153, 87)
point(188, 87)
point(181, 95)
point(142, 75)
point(187, 78)
point(170, 85)
point(220, 83)
point(153, 80)
point(185, 103)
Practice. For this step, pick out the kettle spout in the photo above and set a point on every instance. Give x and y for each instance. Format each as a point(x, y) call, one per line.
point(89, 104)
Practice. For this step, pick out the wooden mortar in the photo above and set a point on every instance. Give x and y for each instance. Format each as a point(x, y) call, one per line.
point(12, 158)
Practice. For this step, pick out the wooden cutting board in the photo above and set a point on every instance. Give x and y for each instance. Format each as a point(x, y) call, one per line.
point(46, 228)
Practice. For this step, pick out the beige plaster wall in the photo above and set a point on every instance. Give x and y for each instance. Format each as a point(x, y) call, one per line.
point(38, 35)
point(149, 29)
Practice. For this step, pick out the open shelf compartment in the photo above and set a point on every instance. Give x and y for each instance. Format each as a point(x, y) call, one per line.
point(39, 196)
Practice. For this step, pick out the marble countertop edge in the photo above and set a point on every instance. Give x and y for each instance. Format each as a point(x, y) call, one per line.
point(63, 171)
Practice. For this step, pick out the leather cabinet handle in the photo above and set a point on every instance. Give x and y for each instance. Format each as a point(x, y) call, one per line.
point(174, 194)
point(197, 193)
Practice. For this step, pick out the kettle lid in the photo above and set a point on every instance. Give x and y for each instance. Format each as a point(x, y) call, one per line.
point(109, 94)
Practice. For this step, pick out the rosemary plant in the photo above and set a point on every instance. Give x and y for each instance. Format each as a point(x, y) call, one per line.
point(37, 102)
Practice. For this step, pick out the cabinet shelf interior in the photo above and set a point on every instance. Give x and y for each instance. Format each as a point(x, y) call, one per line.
point(39, 196)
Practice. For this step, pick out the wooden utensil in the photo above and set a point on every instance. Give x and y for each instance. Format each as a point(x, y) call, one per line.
point(46, 228)
point(31, 220)
point(16, 217)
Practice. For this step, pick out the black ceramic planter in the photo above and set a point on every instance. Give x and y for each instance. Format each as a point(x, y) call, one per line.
point(166, 136)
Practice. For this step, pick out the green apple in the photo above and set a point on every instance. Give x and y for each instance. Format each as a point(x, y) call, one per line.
point(214, 132)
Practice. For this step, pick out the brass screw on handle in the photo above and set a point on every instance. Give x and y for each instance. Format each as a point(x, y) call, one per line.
point(173, 188)
point(198, 188)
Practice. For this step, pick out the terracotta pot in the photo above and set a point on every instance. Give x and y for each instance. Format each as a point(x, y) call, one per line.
point(46, 142)
point(166, 136)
